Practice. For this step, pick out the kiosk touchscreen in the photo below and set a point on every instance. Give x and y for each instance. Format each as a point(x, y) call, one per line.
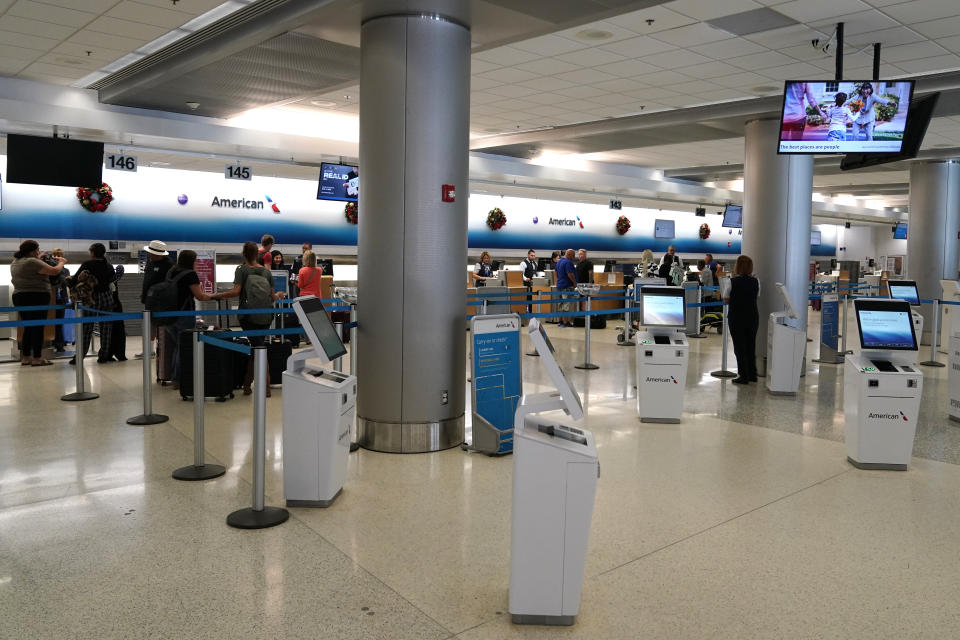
point(882, 386)
point(555, 471)
point(786, 344)
point(907, 290)
point(319, 405)
point(662, 354)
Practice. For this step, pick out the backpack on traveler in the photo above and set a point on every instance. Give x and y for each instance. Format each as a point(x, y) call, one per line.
point(257, 293)
point(164, 296)
point(82, 287)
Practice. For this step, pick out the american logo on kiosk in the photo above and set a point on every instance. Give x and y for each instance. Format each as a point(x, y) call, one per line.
point(888, 416)
point(662, 379)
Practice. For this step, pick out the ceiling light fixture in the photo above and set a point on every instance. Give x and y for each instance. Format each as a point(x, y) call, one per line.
point(594, 34)
point(326, 104)
point(193, 105)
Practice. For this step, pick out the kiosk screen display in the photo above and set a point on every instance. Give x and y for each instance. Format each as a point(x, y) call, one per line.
point(662, 307)
point(319, 328)
point(339, 182)
point(885, 324)
point(900, 231)
point(571, 399)
point(815, 238)
point(733, 216)
point(904, 290)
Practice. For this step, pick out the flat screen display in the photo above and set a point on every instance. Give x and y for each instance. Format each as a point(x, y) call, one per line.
point(900, 232)
point(54, 161)
point(339, 182)
point(662, 307)
point(574, 406)
point(326, 266)
point(885, 324)
point(844, 117)
point(815, 238)
point(324, 336)
point(663, 229)
point(904, 290)
point(733, 216)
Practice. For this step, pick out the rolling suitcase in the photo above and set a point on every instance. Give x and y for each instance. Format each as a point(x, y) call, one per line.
point(277, 353)
point(219, 370)
point(164, 356)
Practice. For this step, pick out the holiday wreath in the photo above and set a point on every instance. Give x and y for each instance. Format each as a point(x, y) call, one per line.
point(704, 231)
point(623, 225)
point(95, 199)
point(496, 218)
point(350, 211)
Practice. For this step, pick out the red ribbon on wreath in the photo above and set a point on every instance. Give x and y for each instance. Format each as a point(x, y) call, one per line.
point(496, 218)
point(704, 231)
point(351, 212)
point(95, 200)
point(623, 225)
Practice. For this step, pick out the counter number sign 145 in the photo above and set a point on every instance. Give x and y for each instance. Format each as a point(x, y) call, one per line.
point(120, 162)
point(237, 172)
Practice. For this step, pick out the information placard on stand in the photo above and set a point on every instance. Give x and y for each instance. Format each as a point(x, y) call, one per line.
point(829, 329)
point(497, 383)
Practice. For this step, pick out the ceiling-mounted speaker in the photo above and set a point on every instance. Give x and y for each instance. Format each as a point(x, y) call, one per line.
point(846, 225)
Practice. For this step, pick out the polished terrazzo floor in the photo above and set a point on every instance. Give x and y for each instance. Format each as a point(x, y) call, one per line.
point(744, 521)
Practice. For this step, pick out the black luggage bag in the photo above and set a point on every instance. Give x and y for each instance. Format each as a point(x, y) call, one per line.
point(223, 369)
point(596, 322)
point(277, 353)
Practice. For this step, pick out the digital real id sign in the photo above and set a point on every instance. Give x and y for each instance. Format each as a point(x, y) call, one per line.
point(339, 182)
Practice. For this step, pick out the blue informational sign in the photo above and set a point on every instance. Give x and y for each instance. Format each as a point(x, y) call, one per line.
point(830, 320)
point(497, 381)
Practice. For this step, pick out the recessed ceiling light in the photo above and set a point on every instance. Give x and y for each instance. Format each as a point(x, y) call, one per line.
point(594, 34)
point(323, 103)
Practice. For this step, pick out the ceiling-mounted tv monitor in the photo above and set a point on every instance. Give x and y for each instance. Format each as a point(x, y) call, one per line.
point(921, 110)
point(733, 216)
point(900, 231)
point(859, 116)
point(54, 161)
point(664, 229)
point(815, 238)
point(339, 182)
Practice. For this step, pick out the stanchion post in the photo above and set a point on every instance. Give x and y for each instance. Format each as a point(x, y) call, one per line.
point(79, 352)
point(354, 445)
point(843, 336)
point(723, 372)
point(627, 321)
point(338, 327)
point(483, 310)
point(586, 364)
point(932, 362)
point(198, 470)
point(259, 516)
point(148, 416)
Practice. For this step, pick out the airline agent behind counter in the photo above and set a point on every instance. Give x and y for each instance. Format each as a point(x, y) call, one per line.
point(482, 270)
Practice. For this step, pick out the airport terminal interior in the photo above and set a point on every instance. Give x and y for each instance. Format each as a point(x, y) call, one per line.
point(416, 445)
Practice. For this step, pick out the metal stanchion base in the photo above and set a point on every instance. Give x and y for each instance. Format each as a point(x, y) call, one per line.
point(145, 419)
point(80, 395)
point(203, 472)
point(250, 519)
point(532, 353)
point(586, 365)
point(723, 373)
point(932, 363)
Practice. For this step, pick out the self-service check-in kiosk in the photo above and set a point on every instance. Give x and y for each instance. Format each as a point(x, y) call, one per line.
point(786, 344)
point(318, 411)
point(882, 387)
point(662, 354)
point(907, 290)
point(555, 471)
point(949, 314)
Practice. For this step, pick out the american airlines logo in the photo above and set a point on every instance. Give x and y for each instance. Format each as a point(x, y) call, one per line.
point(659, 379)
point(562, 222)
point(888, 416)
point(506, 325)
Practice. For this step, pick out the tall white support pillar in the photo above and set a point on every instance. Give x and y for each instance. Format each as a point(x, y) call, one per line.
point(777, 192)
point(414, 138)
point(932, 245)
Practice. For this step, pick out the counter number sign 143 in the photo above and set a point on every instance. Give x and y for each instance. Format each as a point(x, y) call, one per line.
point(237, 172)
point(120, 162)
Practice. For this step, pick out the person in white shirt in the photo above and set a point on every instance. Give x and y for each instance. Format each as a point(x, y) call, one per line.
point(839, 115)
point(866, 118)
point(672, 251)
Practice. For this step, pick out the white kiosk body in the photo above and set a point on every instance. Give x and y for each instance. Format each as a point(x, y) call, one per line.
point(949, 314)
point(555, 471)
point(662, 354)
point(907, 290)
point(882, 387)
point(319, 406)
point(786, 345)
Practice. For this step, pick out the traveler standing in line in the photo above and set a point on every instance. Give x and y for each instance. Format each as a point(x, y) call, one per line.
point(672, 252)
point(529, 266)
point(482, 270)
point(279, 265)
point(710, 262)
point(666, 266)
point(566, 281)
point(154, 271)
point(706, 279)
point(743, 319)
point(101, 300)
point(30, 276)
point(308, 278)
point(265, 253)
point(60, 297)
point(254, 284)
point(188, 290)
point(647, 267)
point(584, 268)
point(298, 261)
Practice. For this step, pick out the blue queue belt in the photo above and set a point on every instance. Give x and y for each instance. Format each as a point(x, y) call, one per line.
point(42, 307)
point(82, 320)
point(225, 344)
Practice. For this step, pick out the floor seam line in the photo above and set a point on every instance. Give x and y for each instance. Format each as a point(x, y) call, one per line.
point(720, 524)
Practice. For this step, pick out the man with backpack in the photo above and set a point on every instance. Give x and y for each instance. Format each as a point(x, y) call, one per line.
point(154, 271)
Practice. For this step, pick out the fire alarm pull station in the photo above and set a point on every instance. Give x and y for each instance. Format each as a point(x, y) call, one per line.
point(449, 193)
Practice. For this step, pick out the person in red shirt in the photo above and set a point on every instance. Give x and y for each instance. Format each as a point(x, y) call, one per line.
point(309, 277)
point(265, 255)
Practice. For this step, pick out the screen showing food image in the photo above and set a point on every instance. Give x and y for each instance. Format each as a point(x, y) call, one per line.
point(844, 117)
